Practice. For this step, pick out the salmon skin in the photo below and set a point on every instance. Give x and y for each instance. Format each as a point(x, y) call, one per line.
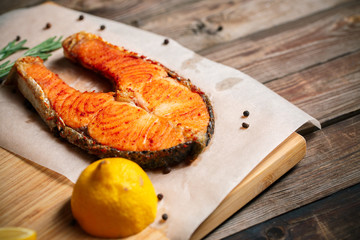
point(154, 117)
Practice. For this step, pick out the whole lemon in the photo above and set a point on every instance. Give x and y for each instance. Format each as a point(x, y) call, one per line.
point(113, 197)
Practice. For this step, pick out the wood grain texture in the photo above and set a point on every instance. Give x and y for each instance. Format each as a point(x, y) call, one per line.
point(313, 89)
point(6, 6)
point(35, 197)
point(195, 24)
point(278, 52)
point(309, 56)
point(333, 217)
point(129, 12)
point(276, 164)
point(331, 164)
point(38, 198)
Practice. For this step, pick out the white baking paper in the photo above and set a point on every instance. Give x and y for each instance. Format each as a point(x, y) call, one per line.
point(191, 192)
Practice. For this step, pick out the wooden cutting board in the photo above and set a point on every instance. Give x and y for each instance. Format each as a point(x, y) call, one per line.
point(35, 197)
point(271, 168)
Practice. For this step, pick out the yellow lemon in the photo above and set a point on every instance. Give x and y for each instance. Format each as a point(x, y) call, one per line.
point(114, 197)
point(17, 233)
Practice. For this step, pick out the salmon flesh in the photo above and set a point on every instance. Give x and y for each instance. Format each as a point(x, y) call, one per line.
point(153, 117)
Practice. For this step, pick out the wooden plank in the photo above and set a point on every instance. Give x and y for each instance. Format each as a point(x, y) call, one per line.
point(332, 163)
point(313, 89)
point(6, 6)
point(277, 163)
point(295, 46)
point(196, 25)
point(31, 194)
point(334, 217)
point(35, 196)
point(129, 12)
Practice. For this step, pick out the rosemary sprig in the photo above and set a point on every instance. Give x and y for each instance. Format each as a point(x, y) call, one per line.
point(11, 48)
point(42, 50)
point(5, 68)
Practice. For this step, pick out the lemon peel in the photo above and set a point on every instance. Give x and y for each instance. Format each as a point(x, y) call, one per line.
point(17, 233)
point(114, 197)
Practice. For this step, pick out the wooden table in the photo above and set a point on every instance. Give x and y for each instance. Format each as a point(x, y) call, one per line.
point(308, 52)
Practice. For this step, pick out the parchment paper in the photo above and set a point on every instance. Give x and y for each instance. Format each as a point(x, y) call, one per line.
point(192, 192)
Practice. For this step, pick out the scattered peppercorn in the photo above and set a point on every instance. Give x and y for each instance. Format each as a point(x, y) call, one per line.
point(102, 27)
point(245, 125)
point(73, 222)
point(246, 113)
point(135, 23)
point(166, 41)
point(81, 17)
point(220, 28)
point(160, 196)
point(47, 26)
point(200, 25)
point(17, 38)
point(164, 217)
point(166, 170)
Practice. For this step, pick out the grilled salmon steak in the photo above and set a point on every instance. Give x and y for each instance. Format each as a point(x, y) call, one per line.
point(154, 117)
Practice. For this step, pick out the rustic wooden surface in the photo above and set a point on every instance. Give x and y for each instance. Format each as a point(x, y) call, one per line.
point(283, 158)
point(306, 51)
point(26, 203)
point(35, 197)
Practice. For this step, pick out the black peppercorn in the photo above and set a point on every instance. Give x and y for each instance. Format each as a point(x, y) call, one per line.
point(81, 17)
point(135, 23)
point(47, 26)
point(220, 28)
point(245, 125)
point(166, 41)
point(166, 170)
point(164, 217)
point(73, 222)
point(17, 38)
point(102, 27)
point(160, 196)
point(246, 113)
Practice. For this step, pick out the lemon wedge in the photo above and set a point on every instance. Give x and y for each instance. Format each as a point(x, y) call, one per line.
point(17, 233)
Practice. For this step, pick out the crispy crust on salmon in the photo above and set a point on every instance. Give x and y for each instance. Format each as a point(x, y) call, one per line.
point(168, 140)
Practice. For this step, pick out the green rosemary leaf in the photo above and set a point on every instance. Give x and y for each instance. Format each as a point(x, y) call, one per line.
point(11, 48)
point(4, 64)
point(41, 50)
point(5, 68)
